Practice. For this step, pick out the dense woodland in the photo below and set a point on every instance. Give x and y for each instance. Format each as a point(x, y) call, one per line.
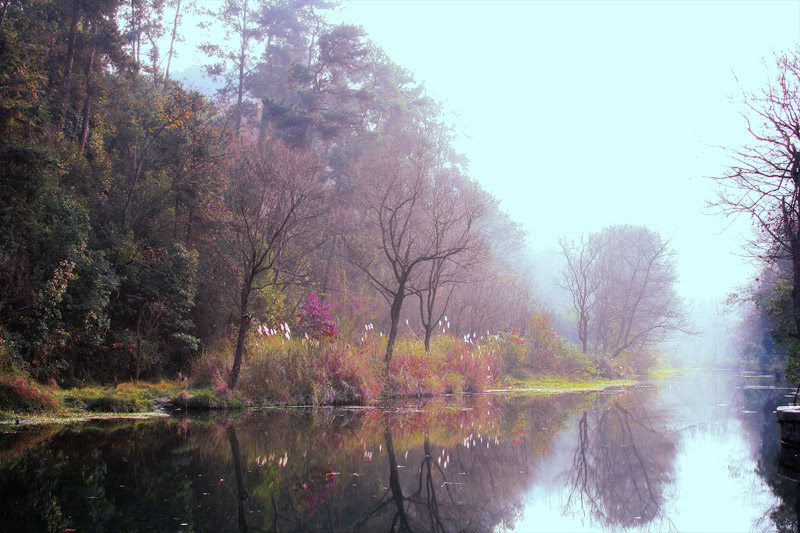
point(143, 223)
point(310, 214)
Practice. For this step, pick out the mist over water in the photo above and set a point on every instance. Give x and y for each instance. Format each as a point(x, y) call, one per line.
point(697, 451)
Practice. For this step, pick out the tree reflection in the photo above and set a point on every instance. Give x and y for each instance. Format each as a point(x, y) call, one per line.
point(621, 467)
point(451, 467)
point(419, 510)
point(241, 491)
point(776, 464)
point(480, 490)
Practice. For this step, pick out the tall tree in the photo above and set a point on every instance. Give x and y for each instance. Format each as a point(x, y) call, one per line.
point(763, 182)
point(580, 278)
point(454, 201)
point(237, 51)
point(622, 283)
point(274, 192)
point(174, 36)
point(396, 238)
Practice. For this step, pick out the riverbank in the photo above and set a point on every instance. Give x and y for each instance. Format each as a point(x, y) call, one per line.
point(36, 404)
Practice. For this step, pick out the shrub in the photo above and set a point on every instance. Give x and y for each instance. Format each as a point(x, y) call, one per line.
point(212, 368)
point(640, 363)
point(300, 371)
point(205, 399)
point(611, 368)
point(452, 365)
point(541, 351)
point(316, 320)
point(513, 351)
point(570, 361)
point(20, 394)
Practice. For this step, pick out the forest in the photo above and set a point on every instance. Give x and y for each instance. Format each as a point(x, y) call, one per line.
point(305, 233)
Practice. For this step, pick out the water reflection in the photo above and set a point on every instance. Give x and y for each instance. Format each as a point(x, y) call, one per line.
point(622, 460)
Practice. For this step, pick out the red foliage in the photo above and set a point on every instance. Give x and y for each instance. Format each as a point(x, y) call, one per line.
point(316, 319)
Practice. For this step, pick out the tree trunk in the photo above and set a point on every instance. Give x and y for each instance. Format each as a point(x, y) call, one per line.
point(583, 332)
point(239, 94)
point(244, 325)
point(138, 345)
point(428, 334)
point(189, 227)
point(136, 44)
point(242, 58)
point(394, 481)
point(329, 263)
point(172, 42)
point(87, 102)
point(241, 490)
point(795, 243)
point(87, 111)
point(175, 217)
point(397, 305)
point(3, 13)
point(69, 61)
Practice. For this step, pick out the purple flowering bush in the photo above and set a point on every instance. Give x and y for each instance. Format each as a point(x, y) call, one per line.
point(316, 319)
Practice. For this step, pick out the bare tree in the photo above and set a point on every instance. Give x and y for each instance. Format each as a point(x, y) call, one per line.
point(638, 305)
point(493, 298)
point(763, 181)
point(274, 193)
point(623, 463)
point(398, 233)
point(454, 202)
point(622, 284)
point(496, 293)
point(579, 277)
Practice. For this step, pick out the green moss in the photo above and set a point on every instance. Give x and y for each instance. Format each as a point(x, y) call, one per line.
point(125, 398)
point(204, 399)
point(555, 384)
point(665, 372)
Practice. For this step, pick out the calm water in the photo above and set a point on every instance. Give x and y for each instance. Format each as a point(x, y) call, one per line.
point(693, 453)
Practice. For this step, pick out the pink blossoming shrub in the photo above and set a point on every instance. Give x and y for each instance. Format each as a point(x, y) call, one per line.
point(316, 319)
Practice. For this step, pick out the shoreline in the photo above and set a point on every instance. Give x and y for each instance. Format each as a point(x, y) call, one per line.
point(168, 408)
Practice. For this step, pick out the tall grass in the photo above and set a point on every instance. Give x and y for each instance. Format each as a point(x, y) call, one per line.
point(299, 371)
point(452, 365)
point(283, 370)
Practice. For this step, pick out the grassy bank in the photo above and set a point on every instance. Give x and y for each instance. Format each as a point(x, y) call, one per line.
point(55, 405)
point(280, 370)
point(27, 401)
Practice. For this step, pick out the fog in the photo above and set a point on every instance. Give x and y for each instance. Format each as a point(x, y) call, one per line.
point(580, 115)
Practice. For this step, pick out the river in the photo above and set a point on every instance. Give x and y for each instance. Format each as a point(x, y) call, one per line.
point(693, 452)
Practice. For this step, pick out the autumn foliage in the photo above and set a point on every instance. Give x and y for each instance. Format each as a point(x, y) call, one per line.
point(241, 238)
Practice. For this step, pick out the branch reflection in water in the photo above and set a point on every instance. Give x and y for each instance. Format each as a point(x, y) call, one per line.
point(622, 465)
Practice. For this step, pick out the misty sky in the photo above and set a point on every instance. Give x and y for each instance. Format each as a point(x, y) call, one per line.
point(578, 115)
point(585, 114)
